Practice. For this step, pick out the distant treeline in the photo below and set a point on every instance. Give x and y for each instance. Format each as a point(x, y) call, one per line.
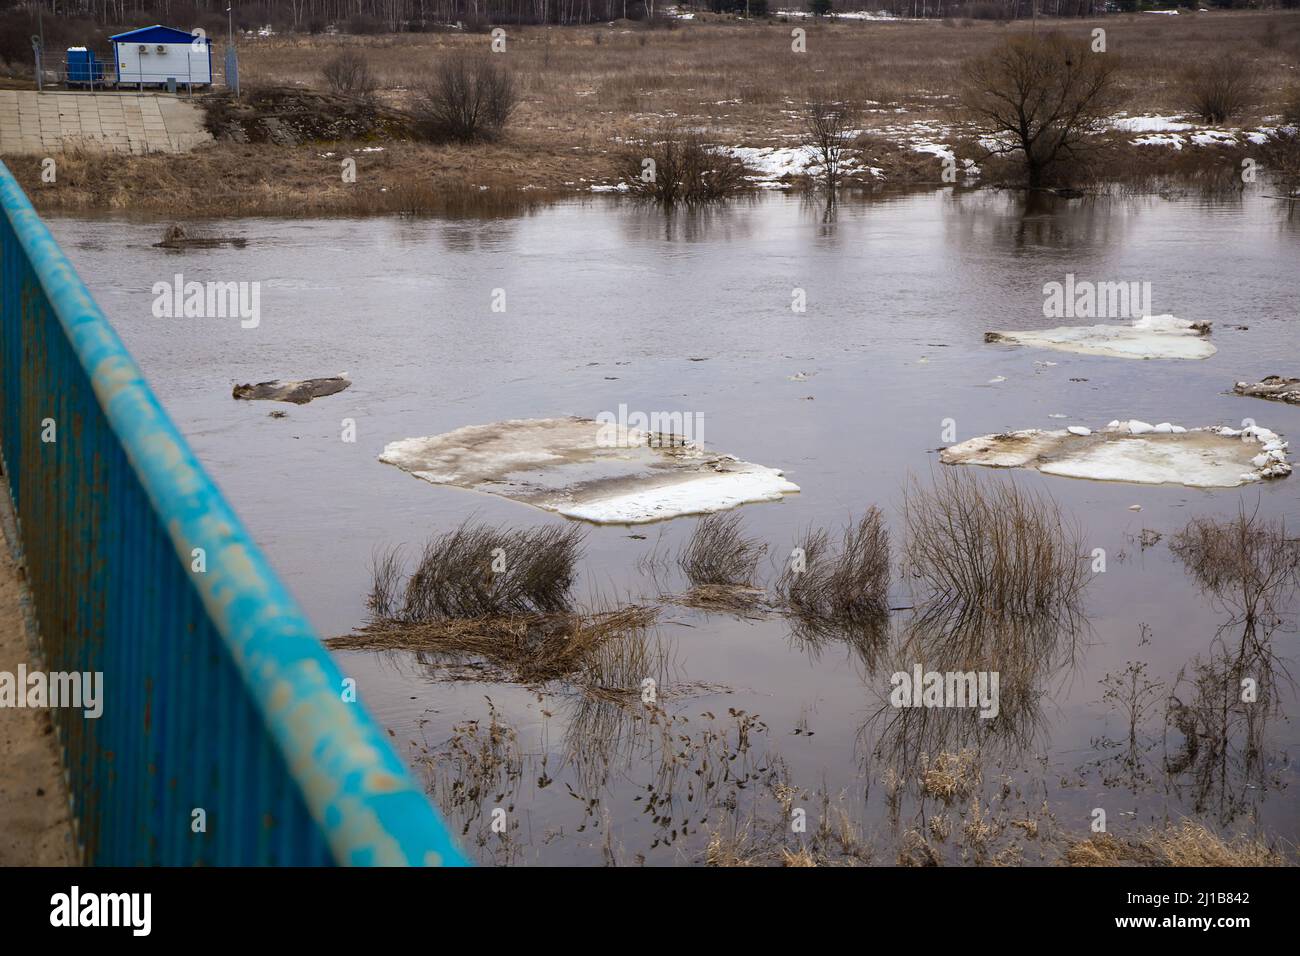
point(84, 20)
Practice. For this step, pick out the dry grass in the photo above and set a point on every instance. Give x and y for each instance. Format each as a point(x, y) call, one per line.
point(950, 776)
point(1187, 844)
point(719, 563)
point(844, 587)
point(478, 572)
point(608, 651)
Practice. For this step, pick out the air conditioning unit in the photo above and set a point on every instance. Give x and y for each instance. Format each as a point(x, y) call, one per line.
point(142, 48)
point(161, 48)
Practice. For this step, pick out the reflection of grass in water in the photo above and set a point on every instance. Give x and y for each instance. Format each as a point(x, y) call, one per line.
point(1027, 655)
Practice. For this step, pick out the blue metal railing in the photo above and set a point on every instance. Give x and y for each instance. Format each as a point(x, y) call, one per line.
point(217, 696)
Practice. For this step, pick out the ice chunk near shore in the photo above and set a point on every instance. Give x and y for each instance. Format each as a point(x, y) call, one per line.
point(602, 472)
point(1155, 336)
point(1135, 451)
point(1275, 388)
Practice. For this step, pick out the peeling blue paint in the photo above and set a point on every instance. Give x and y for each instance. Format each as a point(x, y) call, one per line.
point(217, 694)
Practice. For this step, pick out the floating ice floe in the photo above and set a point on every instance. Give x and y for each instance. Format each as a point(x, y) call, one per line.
point(1135, 451)
point(1155, 336)
point(299, 393)
point(603, 472)
point(1273, 387)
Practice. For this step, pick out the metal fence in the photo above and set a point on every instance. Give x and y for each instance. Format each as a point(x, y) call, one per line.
point(225, 738)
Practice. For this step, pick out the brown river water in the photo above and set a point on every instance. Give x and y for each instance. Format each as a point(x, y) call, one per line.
point(608, 303)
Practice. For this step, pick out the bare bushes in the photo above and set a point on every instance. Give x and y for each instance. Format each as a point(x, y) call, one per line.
point(1218, 88)
point(469, 97)
point(478, 571)
point(349, 73)
point(844, 586)
point(991, 547)
point(680, 166)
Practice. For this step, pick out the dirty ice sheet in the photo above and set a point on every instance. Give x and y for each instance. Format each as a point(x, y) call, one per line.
point(1156, 336)
point(580, 468)
point(1213, 457)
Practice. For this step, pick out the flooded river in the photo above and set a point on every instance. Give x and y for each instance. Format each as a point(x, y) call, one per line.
point(607, 303)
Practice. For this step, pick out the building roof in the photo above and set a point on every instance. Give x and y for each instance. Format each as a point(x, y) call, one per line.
point(158, 34)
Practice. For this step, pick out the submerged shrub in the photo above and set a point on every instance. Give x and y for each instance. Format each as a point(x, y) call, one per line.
point(848, 585)
point(679, 166)
point(719, 555)
point(478, 571)
point(991, 547)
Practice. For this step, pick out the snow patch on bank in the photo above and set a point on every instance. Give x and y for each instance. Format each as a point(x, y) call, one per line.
point(601, 472)
point(1155, 336)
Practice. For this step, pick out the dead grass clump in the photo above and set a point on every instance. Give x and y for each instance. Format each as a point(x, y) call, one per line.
point(608, 650)
point(719, 562)
point(848, 586)
point(950, 776)
point(1187, 844)
point(476, 572)
point(991, 547)
point(1218, 88)
point(680, 166)
point(469, 97)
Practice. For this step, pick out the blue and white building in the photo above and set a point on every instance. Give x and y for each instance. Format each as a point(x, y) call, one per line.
point(158, 55)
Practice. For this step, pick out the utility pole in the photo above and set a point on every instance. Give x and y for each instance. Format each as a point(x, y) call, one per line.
point(232, 60)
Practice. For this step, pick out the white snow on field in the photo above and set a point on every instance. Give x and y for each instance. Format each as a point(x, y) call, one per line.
point(777, 166)
point(857, 15)
point(1155, 336)
point(1135, 451)
point(1150, 124)
point(581, 468)
point(1175, 132)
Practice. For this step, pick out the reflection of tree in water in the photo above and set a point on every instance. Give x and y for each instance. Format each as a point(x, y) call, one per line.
point(1028, 654)
point(1221, 703)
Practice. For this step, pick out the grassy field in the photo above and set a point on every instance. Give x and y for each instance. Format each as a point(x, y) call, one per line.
point(586, 90)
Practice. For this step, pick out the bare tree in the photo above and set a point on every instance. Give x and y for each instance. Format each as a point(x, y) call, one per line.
point(831, 128)
point(1043, 97)
point(468, 97)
